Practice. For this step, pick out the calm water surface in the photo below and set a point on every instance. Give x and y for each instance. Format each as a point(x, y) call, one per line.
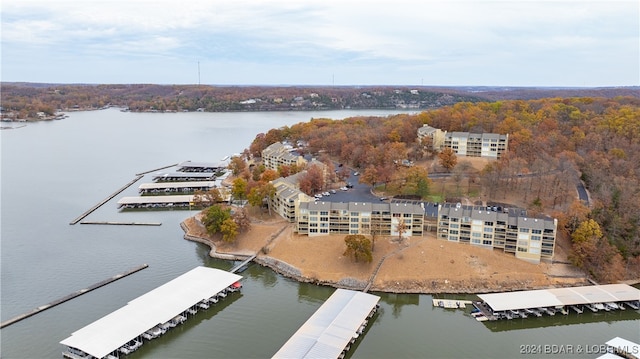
point(54, 171)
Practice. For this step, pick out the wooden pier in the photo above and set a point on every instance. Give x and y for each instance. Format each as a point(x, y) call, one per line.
point(123, 223)
point(71, 296)
point(451, 303)
point(92, 209)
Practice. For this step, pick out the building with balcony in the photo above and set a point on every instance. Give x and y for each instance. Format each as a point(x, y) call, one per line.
point(529, 238)
point(279, 154)
point(386, 219)
point(488, 145)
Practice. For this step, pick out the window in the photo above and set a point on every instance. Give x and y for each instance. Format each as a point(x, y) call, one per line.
point(488, 229)
point(354, 225)
point(324, 213)
point(313, 219)
point(354, 219)
point(453, 231)
point(324, 219)
point(486, 242)
point(535, 238)
point(476, 234)
point(453, 225)
point(488, 224)
point(521, 249)
point(536, 231)
point(487, 236)
point(354, 214)
point(475, 241)
point(313, 212)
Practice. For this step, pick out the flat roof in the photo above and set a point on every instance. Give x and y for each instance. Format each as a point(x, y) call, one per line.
point(328, 331)
point(145, 312)
point(189, 164)
point(624, 345)
point(156, 199)
point(185, 175)
point(561, 296)
point(162, 185)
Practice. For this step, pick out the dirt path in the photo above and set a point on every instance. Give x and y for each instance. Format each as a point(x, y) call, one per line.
point(418, 265)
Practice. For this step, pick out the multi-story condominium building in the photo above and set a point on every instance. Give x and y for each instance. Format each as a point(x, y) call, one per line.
point(490, 145)
point(279, 154)
point(529, 238)
point(387, 219)
point(436, 136)
point(287, 198)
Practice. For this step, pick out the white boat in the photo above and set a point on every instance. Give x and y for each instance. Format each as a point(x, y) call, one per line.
point(222, 294)
point(599, 306)
point(611, 305)
point(203, 305)
point(154, 332)
point(213, 300)
point(192, 311)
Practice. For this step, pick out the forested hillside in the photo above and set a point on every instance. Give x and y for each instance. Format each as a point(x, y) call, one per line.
point(553, 143)
point(24, 100)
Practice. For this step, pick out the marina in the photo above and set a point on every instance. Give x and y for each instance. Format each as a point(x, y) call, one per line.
point(333, 328)
point(521, 304)
point(150, 315)
point(175, 187)
point(173, 201)
point(621, 348)
point(184, 177)
point(203, 167)
point(451, 303)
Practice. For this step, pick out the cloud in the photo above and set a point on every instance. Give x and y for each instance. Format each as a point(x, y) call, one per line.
point(274, 37)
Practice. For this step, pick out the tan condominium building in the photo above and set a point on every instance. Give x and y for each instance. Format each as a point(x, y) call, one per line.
point(529, 238)
point(287, 198)
point(488, 145)
point(386, 219)
point(279, 154)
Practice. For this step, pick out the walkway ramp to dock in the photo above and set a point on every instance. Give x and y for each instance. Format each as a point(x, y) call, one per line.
point(331, 329)
point(106, 335)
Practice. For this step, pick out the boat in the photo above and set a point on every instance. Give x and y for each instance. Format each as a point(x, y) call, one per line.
point(235, 287)
point(154, 332)
point(131, 346)
point(591, 307)
point(222, 294)
point(213, 300)
point(204, 304)
point(599, 306)
point(178, 319)
point(550, 311)
point(633, 304)
point(578, 310)
point(611, 306)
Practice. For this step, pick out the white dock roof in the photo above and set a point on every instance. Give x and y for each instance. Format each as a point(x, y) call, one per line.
point(145, 312)
point(156, 199)
point(561, 297)
point(162, 185)
point(625, 346)
point(328, 331)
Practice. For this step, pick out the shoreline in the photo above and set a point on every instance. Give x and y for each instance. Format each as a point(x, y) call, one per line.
point(373, 276)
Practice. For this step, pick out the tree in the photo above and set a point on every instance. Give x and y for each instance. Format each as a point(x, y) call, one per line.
point(401, 227)
point(448, 158)
point(208, 198)
point(584, 240)
point(359, 247)
point(237, 165)
point(213, 218)
point(260, 193)
point(229, 230)
point(239, 189)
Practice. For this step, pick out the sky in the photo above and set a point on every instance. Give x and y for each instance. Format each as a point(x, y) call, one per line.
point(571, 43)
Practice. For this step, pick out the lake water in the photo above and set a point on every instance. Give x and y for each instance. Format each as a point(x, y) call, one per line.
point(54, 171)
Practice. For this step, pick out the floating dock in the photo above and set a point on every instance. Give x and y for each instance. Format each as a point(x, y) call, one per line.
point(333, 328)
point(522, 304)
point(451, 303)
point(175, 187)
point(72, 295)
point(204, 167)
point(178, 201)
point(184, 176)
point(151, 314)
point(123, 223)
point(92, 209)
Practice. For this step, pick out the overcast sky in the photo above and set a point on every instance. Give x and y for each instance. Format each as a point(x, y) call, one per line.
point(322, 42)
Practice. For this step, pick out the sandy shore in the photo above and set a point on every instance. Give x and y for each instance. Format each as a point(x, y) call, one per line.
point(418, 265)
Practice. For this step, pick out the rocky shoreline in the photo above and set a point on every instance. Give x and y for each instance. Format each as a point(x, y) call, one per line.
point(413, 285)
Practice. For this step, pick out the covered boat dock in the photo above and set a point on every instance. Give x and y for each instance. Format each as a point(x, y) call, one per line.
point(184, 176)
point(557, 300)
point(176, 201)
point(175, 187)
point(331, 330)
point(150, 315)
point(205, 167)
